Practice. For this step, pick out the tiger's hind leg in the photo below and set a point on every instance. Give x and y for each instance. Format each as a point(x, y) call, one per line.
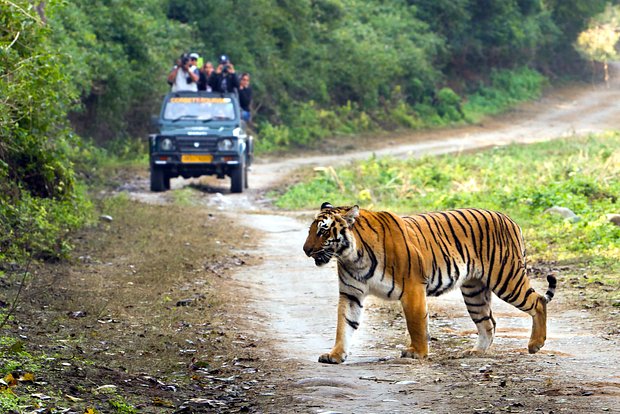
point(478, 301)
point(518, 292)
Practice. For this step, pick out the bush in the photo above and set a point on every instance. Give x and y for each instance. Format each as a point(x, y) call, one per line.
point(507, 88)
point(40, 200)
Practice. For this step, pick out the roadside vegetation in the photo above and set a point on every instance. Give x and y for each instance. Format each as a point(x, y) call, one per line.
point(143, 320)
point(581, 174)
point(80, 80)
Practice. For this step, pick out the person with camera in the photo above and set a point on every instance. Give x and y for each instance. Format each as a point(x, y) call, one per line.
point(226, 79)
point(184, 76)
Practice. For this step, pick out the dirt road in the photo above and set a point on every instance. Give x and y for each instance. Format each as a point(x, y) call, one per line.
point(294, 302)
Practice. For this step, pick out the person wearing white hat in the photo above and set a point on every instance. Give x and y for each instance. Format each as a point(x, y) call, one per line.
point(184, 75)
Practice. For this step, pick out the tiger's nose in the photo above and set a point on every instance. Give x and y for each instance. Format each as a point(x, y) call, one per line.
point(307, 249)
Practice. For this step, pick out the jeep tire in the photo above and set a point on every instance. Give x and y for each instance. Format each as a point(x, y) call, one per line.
point(237, 178)
point(160, 181)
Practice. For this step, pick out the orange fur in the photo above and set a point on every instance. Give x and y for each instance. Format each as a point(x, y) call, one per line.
point(410, 258)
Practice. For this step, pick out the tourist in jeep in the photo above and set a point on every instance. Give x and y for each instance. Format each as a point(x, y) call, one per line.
point(183, 76)
point(245, 96)
point(207, 77)
point(226, 79)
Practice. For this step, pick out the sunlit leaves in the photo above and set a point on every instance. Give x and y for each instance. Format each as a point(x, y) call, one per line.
point(598, 42)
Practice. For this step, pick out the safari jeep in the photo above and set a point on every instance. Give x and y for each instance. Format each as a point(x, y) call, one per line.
point(200, 133)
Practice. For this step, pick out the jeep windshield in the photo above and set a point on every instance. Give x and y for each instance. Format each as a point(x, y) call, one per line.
point(199, 108)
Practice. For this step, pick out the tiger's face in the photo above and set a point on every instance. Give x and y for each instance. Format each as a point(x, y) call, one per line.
point(329, 233)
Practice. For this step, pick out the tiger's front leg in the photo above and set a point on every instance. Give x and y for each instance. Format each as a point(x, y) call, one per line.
point(414, 307)
point(349, 317)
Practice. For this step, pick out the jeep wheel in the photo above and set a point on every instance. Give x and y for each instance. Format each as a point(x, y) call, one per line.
point(246, 177)
point(166, 182)
point(159, 179)
point(237, 178)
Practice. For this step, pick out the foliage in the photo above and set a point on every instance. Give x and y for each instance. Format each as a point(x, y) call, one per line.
point(121, 406)
point(308, 123)
point(598, 42)
point(39, 198)
point(506, 89)
point(9, 402)
point(15, 358)
point(386, 61)
point(118, 56)
point(523, 181)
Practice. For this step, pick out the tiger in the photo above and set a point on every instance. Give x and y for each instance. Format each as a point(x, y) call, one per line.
point(413, 257)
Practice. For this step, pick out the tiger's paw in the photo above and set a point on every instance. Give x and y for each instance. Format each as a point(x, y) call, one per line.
point(534, 347)
point(333, 358)
point(411, 353)
point(473, 352)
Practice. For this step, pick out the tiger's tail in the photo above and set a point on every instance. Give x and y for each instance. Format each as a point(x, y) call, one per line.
point(551, 290)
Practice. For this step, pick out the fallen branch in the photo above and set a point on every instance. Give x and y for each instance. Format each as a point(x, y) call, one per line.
point(14, 304)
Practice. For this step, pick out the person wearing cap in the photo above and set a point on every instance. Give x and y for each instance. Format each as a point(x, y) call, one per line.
point(184, 76)
point(193, 60)
point(226, 79)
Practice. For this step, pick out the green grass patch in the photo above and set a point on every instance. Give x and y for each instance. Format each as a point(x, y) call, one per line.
point(581, 174)
point(15, 357)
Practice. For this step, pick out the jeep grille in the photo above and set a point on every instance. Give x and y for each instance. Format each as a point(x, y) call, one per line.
point(205, 144)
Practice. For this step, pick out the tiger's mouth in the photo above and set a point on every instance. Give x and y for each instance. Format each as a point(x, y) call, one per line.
point(322, 258)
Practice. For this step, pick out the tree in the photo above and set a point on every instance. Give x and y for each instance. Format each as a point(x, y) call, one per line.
point(39, 199)
point(598, 42)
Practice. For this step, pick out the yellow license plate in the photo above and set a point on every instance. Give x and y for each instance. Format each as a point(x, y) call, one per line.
point(187, 158)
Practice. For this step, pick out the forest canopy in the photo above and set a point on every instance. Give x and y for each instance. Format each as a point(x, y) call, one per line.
point(81, 70)
point(306, 56)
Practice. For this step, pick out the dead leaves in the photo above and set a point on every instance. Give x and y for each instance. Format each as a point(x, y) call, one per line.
point(11, 381)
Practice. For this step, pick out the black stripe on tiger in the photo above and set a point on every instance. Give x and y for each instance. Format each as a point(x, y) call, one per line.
point(352, 299)
point(408, 248)
point(352, 324)
point(551, 290)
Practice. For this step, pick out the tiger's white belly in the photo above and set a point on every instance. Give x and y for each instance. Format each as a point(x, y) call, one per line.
point(442, 282)
point(385, 289)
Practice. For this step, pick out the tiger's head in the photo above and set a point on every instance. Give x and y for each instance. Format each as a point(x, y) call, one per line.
point(330, 234)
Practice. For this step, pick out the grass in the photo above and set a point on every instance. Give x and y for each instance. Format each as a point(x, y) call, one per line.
point(582, 174)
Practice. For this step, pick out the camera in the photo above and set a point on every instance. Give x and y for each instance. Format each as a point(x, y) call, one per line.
point(184, 60)
point(225, 69)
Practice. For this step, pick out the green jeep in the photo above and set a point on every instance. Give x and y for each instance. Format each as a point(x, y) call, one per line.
point(200, 133)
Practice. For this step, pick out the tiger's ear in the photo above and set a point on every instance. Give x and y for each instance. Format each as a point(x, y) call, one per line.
point(326, 205)
point(351, 215)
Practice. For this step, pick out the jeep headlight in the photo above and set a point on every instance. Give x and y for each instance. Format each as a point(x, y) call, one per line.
point(225, 144)
point(166, 144)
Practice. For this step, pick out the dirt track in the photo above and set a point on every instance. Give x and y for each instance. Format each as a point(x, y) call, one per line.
point(293, 303)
